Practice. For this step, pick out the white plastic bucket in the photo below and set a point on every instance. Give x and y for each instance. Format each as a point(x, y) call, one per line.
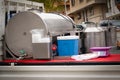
point(37, 34)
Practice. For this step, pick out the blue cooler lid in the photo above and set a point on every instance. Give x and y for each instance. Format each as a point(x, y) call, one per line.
point(67, 37)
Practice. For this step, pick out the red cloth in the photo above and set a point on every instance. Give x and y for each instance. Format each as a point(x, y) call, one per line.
point(111, 58)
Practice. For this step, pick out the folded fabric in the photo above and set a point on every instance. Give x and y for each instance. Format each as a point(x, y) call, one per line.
point(85, 56)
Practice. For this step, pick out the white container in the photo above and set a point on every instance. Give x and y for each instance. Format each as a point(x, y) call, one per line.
point(37, 35)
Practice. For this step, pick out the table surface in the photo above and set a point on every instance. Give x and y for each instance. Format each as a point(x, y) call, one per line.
point(112, 59)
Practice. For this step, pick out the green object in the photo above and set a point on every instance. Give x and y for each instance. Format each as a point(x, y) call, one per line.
point(22, 51)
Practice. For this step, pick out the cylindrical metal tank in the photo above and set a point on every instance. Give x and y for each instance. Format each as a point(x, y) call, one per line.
point(110, 31)
point(106, 36)
point(18, 36)
point(95, 39)
point(110, 36)
point(101, 39)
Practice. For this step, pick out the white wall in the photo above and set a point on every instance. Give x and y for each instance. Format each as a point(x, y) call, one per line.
point(21, 5)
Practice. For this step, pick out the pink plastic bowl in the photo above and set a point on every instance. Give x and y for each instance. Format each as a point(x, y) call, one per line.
point(102, 51)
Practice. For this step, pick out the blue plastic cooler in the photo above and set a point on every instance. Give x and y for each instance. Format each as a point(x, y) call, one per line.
point(68, 45)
